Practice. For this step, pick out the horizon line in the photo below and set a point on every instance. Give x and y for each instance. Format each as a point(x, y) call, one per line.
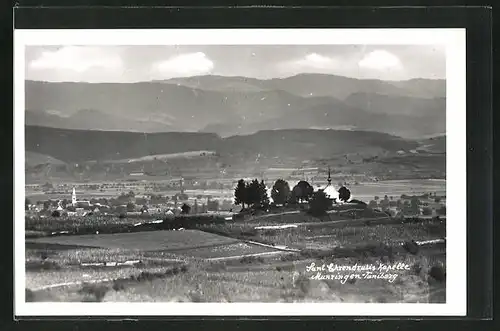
point(238, 76)
point(237, 135)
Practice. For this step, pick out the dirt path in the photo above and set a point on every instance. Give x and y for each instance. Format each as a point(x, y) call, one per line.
point(348, 221)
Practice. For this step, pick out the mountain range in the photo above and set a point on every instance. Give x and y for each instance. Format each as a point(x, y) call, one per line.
point(229, 106)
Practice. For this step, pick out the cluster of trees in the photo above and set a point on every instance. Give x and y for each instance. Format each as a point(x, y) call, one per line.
point(252, 193)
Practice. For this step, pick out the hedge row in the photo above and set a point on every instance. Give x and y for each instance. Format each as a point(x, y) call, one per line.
point(92, 225)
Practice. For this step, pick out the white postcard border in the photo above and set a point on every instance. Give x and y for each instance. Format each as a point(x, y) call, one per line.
point(453, 39)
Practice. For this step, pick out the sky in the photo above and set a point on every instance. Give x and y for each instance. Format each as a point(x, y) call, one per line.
point(144, 63)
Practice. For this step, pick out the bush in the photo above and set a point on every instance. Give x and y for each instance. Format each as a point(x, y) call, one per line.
point(95, 292)
point(29, 295)
point(319, 204)
point(426, 211)
point(359, 202)
point(438, 273)
point(442, 211)
point(411, 247)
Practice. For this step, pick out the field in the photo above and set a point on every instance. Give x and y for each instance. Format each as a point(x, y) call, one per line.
point(261, 258)
point(362, 190)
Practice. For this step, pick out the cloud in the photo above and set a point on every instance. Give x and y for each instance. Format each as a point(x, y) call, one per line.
point(190, 64)
point(77, 58)
point(380, 60)
point(314, 61)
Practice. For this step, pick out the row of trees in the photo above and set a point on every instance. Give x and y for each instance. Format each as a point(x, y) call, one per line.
point(254, 193)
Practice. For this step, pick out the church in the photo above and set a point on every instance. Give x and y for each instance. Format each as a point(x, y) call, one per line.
point(330, 192)
point(79, 203)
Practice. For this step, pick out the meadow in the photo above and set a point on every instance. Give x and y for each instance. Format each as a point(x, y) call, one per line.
point(252, 259)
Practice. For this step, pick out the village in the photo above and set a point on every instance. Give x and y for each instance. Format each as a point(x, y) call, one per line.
point(170, 199)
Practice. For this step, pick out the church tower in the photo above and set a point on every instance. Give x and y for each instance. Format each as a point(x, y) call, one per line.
point(73, 197)
point(329, 190)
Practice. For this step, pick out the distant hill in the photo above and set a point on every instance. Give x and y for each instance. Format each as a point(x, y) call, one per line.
point(86, 145)
point(433, 145)
point(33, 159)
point(310, 84)
point(398, 105)
point(338, 115)
point(94, 119)
point(426, 88)
point(240, 105)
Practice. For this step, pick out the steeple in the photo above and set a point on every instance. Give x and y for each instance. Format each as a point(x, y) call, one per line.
point(73, 197)
point(329, 190)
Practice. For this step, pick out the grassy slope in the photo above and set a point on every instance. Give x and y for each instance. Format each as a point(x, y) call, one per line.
point(248, 279)
point(256, 281)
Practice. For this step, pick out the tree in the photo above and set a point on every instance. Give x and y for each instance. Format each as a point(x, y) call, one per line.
point(280, 192)
point(195, 206)
point(253, 193)
point(373, 204)
point(319, 203)
point(426, 211)
point(344, 194)
point(46, 205)
point(141, 201)
point(384, 204)
point(213, 205)
point(56, 213)
point(303, 191)
point(262, 194)
point(185, 209)
point(240, 193)
point(376, 198)
point(415, 205)
point(27, 204)
point(441, 211)
point(437, 200)
point(130, 207)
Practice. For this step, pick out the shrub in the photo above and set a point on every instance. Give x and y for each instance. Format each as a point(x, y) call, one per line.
point(438, 273)
point(96, 292)
point(426, 211)
point(411, 247)
point(442, 211)
point(29, 295)
point(359, 202)
point(344, 194)
point(319, 204)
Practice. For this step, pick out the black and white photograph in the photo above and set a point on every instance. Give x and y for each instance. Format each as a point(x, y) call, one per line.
point(258, 172)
